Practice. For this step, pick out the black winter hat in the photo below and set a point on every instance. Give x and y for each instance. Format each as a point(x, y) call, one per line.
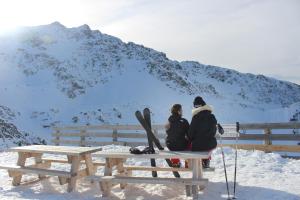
point(198, 101)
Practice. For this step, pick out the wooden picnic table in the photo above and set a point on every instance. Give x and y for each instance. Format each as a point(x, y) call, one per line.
point(74, 155)
point(123, 176)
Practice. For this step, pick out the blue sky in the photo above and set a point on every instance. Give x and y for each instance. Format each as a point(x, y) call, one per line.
point(255, 36)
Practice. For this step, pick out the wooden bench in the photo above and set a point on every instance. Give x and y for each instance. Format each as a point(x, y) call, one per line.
point(75, 155)
point(129, 135)
point(124, 173)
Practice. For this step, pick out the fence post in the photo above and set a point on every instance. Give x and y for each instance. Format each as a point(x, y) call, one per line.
point(82, 138)
point(57, 137)
point(115, 135)
point(268, 141)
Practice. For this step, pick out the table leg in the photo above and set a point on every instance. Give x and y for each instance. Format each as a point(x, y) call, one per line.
point(121, 171)
point(21, 162)
point(106, 186)
point(200, 174)
point(188, 187)
point(91, 169)
point(38, 160)
point(196, 168)
point(74, 173)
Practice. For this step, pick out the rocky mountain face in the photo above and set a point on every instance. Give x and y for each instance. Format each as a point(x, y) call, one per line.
point(79, 58)
point(78, 75)
point(10, 135)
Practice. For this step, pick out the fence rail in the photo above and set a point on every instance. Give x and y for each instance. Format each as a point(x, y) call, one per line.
point(134, 135)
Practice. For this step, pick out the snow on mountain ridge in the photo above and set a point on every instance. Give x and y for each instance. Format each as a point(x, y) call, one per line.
point(79, 71)
point(92, 55)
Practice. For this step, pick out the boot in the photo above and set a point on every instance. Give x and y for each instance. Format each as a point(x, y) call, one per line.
point(205, 163)
point(175, 162)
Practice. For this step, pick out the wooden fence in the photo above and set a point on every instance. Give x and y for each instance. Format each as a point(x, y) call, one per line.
point(134, 135)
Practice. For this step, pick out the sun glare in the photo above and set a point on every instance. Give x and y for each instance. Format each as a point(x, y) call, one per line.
point(14, 13)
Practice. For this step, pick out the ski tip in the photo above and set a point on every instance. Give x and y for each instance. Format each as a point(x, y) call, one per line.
point(136, 112)
point(146, 110)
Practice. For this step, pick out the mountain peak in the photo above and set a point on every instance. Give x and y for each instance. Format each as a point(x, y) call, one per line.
point(85, 27)
point(57, 24)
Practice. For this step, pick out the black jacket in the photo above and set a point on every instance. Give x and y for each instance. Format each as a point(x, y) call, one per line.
point(203, 129)
point(177, 133)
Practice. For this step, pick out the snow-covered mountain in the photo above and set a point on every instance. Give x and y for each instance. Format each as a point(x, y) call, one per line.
point(53, 75)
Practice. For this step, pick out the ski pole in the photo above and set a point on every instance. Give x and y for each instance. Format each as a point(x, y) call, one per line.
point(221, 131)
point(235, 164)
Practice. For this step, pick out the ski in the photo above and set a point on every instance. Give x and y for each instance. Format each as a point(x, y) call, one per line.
point(149, 132)
point(142, 121)
point(147, 118)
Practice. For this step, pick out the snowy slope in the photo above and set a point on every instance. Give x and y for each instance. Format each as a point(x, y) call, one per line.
point(260, 176)
point(52, 75)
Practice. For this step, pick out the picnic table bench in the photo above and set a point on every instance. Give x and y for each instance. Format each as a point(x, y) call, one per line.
point(42, 167)
point(124, 176)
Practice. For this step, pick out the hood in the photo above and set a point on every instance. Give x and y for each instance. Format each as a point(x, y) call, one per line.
point(173, 118)
point(201, 108)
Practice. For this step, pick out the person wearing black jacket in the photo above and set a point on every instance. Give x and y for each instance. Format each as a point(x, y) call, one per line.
point(177, 130)
point(203, 128)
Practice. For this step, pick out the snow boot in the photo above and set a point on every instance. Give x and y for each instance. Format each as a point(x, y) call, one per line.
point(205, 163)
point(175, 162)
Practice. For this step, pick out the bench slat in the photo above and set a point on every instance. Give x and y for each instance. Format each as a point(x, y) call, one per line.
point(96, 163)
point(148, 180)
point(37, 171)
point(166, 169)
point(159, 154)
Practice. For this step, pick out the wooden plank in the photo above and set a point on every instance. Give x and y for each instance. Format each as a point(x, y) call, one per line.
point(33, 170)
point(106, 135)
point(138, 135)
point(74, 170)
point(262, 147)
point(73, 142)
point(121, 171)
point(89, 164)
point(196, 175)
point(148, 180)
point(160, 154)
point(57, 138)
point(149, 168)
point(106, 186)
point(284, 137)
point(87, 134)
point(63, 150)
point(188, 188)
point(50, 160)
point(257, 126)
point(267, 141)
point(99, 143)
point(92, 143)
point(38, 161)
point(20, 163)
point(108, 127)
point(82, 138)
point(115, 135)
point(242, 126)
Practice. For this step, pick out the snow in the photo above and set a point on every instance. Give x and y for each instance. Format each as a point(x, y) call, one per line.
point(98, 79)
point(260, 176)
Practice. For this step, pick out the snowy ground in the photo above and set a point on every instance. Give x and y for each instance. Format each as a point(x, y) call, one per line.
point(260, 176)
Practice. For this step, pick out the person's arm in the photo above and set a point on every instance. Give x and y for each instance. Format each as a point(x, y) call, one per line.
point(167, 127)
point(213, 125)
point(186, 129)
point(192, 129)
